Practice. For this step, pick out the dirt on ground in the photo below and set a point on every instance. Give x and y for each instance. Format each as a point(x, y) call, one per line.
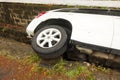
point(12, 47)
point(14, 69)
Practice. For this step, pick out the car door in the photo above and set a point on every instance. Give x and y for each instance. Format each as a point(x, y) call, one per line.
point(116, 37)
point(92, 29)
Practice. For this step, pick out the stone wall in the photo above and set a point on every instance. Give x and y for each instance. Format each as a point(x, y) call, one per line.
point(2, 14)
point(14, 18)
point(21, 14)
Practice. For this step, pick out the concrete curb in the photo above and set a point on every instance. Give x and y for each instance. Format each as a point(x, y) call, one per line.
point(101, 58)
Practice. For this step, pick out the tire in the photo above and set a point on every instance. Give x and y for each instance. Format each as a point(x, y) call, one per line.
point(50, 41)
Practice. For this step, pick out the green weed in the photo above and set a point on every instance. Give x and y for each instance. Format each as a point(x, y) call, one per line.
point(72, 72)
point(76, 71)
point(103, 69)
point(4, 29)
point(33, 58)
point(58, 68)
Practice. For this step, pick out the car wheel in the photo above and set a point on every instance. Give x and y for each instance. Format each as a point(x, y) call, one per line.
point(50, 41)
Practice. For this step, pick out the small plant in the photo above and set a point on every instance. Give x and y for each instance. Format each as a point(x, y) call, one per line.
point(94, 68)
point(72, 72)
point(103, 69)
point(76, 71)
point(4, 28)
point(36, 68)
point(33, 58)
point(58, 68)
point(80, 72)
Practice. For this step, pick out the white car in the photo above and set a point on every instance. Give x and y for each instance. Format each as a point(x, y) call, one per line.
point(52, 31)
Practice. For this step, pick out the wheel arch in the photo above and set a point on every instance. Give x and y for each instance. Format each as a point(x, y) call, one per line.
point(61, 22)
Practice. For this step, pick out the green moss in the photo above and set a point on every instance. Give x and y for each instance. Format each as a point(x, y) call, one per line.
point(33, 58)
point(73, 71)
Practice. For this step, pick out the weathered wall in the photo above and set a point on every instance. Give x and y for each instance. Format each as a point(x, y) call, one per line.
point(14, 18)
point(2, 14)
point(21, 14)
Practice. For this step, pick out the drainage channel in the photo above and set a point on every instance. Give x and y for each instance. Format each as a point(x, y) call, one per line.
point(99, 58)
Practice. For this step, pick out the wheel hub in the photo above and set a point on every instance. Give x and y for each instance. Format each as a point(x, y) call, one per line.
point(48, 38)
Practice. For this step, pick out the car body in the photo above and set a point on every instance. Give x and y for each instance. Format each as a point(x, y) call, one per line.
point(89, 28)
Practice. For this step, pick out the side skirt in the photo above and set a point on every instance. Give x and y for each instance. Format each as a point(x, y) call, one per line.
point(97, 48)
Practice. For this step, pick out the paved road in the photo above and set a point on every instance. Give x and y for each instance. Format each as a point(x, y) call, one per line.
point(105, 3)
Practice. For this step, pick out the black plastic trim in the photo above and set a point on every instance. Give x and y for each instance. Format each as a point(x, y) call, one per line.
point(91, 11)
